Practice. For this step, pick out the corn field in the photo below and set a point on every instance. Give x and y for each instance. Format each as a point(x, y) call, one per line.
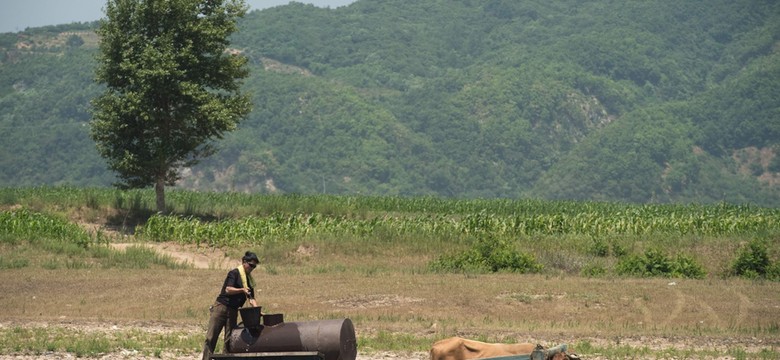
point(579, 230)
point(31, 225)
point(254, 229)
point(232, 218)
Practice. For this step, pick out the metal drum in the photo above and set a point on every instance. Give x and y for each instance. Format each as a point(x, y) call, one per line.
point(335, 339)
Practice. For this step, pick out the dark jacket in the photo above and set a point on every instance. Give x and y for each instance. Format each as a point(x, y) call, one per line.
point(234, 301)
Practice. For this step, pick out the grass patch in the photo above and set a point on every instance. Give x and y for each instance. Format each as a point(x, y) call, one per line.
point(140, 257)
point(619, 351)
point(393, 341)
point(96, 342)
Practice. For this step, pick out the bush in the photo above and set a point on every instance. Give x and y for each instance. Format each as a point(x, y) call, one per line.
point(631, 265)
point(752, 261)
point(618, 250)
point(687, 267)
point(488, 254)
point(655, 263)
point(599, 248)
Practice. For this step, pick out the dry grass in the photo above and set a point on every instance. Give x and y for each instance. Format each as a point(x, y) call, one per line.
point(500, 307)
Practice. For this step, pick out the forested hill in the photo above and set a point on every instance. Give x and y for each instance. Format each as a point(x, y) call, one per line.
point(640, 101)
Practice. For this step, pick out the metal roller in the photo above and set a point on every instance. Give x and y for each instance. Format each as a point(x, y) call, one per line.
point(335, 339)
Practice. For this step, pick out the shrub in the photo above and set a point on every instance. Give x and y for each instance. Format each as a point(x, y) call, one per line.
point(752, 261)
point(631, 265)
point(618, 250)
point(488, 254)
point(655, 263)
point(599, 248)
point(687, 267)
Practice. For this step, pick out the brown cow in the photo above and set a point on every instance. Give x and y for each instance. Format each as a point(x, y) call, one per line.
point(456, 348)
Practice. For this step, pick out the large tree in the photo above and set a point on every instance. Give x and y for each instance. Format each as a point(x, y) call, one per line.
point(172, 87)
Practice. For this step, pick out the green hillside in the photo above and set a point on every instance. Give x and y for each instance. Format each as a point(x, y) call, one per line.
point(605, 100)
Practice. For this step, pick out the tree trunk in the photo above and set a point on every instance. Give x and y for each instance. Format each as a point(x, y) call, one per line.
point(159, 189)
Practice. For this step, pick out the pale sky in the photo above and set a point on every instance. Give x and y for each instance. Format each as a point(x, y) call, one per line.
point(16, 15)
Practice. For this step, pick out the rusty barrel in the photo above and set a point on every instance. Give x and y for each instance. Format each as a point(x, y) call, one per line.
point(335, 339)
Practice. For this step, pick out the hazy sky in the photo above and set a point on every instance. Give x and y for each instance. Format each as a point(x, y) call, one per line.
point(16, 15)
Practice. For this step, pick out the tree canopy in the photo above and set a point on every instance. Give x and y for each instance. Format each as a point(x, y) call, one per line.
point(171, 87)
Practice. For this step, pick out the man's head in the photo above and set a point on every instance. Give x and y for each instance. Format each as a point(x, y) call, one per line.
point(251, 260)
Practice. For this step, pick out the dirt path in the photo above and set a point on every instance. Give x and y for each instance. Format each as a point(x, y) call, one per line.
point(199, 258)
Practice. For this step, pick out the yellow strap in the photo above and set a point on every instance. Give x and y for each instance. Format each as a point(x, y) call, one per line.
point(246, 279)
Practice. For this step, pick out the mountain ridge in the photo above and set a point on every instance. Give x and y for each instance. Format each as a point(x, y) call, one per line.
point(613, 101)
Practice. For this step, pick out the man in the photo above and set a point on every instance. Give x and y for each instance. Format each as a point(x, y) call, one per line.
point(237, 288)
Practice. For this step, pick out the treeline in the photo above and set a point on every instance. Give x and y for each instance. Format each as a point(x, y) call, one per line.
point(608, 100)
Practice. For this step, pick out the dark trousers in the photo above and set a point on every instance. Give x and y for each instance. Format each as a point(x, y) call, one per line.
point(221, 317)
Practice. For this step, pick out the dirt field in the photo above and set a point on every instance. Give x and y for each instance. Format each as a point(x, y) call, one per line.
point(751, 345)
point(655, 314)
